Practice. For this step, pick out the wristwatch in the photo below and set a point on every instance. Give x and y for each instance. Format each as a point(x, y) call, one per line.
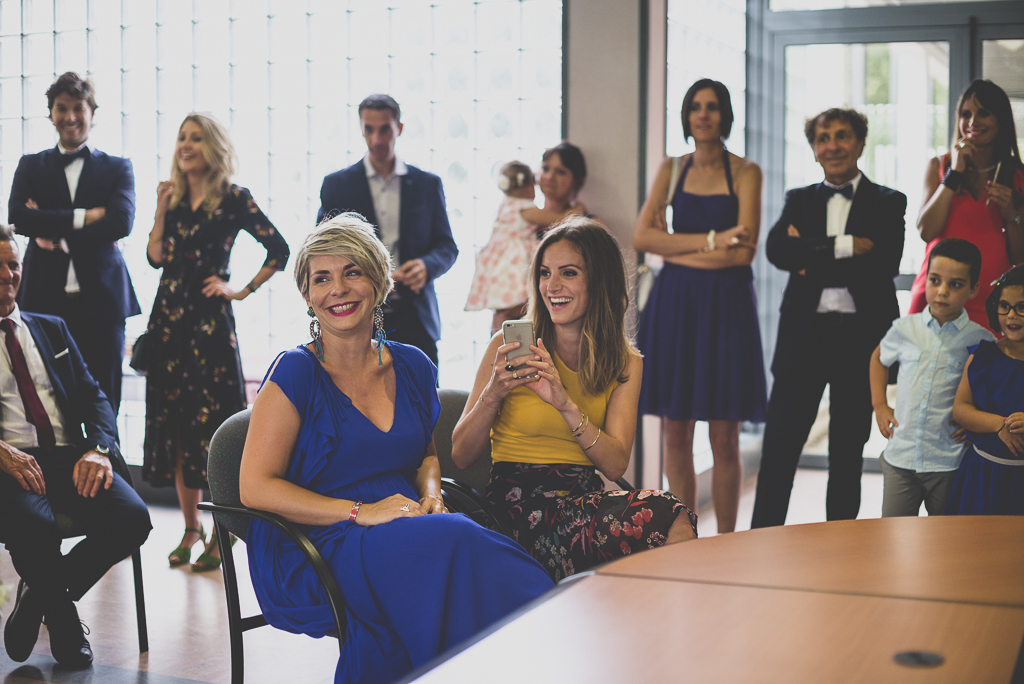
point(101, 450)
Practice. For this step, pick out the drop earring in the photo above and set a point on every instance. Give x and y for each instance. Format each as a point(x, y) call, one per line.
point(314, 332)
point(378, 332)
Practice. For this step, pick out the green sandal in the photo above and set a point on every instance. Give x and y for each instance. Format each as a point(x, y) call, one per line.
point(207, 561)
point(183, 554)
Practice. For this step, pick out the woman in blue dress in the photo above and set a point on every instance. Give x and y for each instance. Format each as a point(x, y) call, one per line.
point(699, 332)
point(990, 404)
point(340, 442)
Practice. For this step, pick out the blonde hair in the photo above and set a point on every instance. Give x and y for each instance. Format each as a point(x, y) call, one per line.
point(220, 157)
point(347, 235)
point(605, 349)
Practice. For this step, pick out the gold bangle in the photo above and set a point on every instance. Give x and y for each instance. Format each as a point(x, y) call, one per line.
point(583, 429)
point(594, 442)
point(583, 417)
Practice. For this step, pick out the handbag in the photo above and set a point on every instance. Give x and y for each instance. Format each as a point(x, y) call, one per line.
point(646, 273)
point(140, 354)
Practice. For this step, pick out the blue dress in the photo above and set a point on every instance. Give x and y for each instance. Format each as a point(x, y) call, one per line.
point(699, 332)
point(414, 587)
point(983, 486)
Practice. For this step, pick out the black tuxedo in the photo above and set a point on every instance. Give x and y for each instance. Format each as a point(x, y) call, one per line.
point(814, 350)
point(95, 317)
point(424, 233)
point(116, 520)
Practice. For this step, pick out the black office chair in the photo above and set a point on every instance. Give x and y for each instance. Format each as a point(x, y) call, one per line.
point(71, 527)
point(463, 489)
point(230, 516)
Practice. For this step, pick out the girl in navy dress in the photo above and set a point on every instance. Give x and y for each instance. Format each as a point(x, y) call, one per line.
point(990, 404)
point(340, 442)
point(699, 333)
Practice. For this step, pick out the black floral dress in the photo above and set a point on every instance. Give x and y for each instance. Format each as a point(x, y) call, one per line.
point(194, 378)
point(562, 515)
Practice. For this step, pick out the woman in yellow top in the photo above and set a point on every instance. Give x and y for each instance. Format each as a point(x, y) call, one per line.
point(567, 412)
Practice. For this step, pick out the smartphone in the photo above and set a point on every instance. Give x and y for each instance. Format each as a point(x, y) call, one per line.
point(520, 331)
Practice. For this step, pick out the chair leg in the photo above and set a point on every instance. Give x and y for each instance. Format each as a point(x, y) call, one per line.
point(140, 602)
point(231, 596)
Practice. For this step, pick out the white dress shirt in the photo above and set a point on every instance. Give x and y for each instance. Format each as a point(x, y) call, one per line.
point(17, 431)
point(386, 193)
point(837, 211)
point(73, 172)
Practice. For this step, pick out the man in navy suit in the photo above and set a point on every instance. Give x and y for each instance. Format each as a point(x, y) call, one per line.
point(56, 438)
point(841, 241)
point(407, 207)
point(75, 204)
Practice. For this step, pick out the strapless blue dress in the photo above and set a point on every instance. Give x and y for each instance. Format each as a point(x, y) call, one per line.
point(699, 332)
point(414, 587)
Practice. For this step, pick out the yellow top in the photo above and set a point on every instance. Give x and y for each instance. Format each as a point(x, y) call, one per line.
point(529, 430)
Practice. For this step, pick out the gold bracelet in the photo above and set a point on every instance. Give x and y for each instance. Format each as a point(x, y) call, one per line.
point(583, 429)
point(594, 442)
point(583, 417)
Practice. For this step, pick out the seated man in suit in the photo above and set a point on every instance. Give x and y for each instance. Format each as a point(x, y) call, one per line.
point(407, 207)
point(56, 435)
point(841, 241)
point(75, 204)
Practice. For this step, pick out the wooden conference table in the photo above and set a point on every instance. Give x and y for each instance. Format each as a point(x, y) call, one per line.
point(827, 602)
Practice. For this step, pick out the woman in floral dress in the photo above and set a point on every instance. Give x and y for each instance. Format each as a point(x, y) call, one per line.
point(567, 412)
point(194, 378)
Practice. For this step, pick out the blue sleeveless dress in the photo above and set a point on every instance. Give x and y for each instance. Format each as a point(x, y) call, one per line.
point(983, 486)
point(414, 587)
point(699, 332)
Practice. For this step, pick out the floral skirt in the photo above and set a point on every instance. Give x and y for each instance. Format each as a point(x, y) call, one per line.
point(563, 517)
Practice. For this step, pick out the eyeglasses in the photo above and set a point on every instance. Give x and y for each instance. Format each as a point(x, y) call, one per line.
point(1003, 308)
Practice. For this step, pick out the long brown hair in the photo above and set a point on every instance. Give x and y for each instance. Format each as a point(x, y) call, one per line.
point(605, 349)
point(994, 99)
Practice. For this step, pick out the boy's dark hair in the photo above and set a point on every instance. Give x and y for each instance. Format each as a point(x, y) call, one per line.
point(961, 251)
point(70, 83)
point(572, 159)
point(858, 122)
point(724, 106)
point(381, 102)
point(1012, 278)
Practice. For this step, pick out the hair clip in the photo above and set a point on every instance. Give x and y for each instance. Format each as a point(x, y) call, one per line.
point(504, 183)
point(520, 177)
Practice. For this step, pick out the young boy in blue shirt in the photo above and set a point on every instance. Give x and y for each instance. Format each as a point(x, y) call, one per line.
point(925, 446)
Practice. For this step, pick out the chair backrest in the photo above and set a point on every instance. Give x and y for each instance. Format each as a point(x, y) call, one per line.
point(222, 470)
point(477, 475)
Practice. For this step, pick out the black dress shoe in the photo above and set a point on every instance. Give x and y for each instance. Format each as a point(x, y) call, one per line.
point(22, 628)
point(67, 640)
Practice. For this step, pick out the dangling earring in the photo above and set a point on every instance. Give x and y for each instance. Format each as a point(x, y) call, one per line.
point(314, 332)
point(378, 332)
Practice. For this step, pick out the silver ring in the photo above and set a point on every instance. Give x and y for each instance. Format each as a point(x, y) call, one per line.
point(404, 508)
point(961, 145)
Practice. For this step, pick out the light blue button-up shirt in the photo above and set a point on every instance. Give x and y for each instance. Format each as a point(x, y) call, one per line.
point(932, 359)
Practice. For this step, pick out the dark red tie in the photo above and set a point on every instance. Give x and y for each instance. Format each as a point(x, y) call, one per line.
point(34, 411)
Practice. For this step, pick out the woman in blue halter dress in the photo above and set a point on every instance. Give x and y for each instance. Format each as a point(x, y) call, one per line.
point(699, 332)
point(340, 442)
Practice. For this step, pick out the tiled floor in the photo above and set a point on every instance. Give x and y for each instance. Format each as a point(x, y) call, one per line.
point(188, 620)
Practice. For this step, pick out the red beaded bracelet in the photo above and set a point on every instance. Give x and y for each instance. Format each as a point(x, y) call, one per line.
point(355, 511)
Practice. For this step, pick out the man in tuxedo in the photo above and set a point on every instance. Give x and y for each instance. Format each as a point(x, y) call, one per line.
point(841, 240)
point(407, 207)
point(75, 204)
point(56, 439)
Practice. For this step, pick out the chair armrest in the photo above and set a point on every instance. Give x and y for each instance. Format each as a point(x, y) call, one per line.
point(323, 571)
point(624, 485)
point(462, 498)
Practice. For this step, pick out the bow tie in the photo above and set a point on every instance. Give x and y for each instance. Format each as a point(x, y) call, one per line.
point(81, 153)
point(845, 190)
